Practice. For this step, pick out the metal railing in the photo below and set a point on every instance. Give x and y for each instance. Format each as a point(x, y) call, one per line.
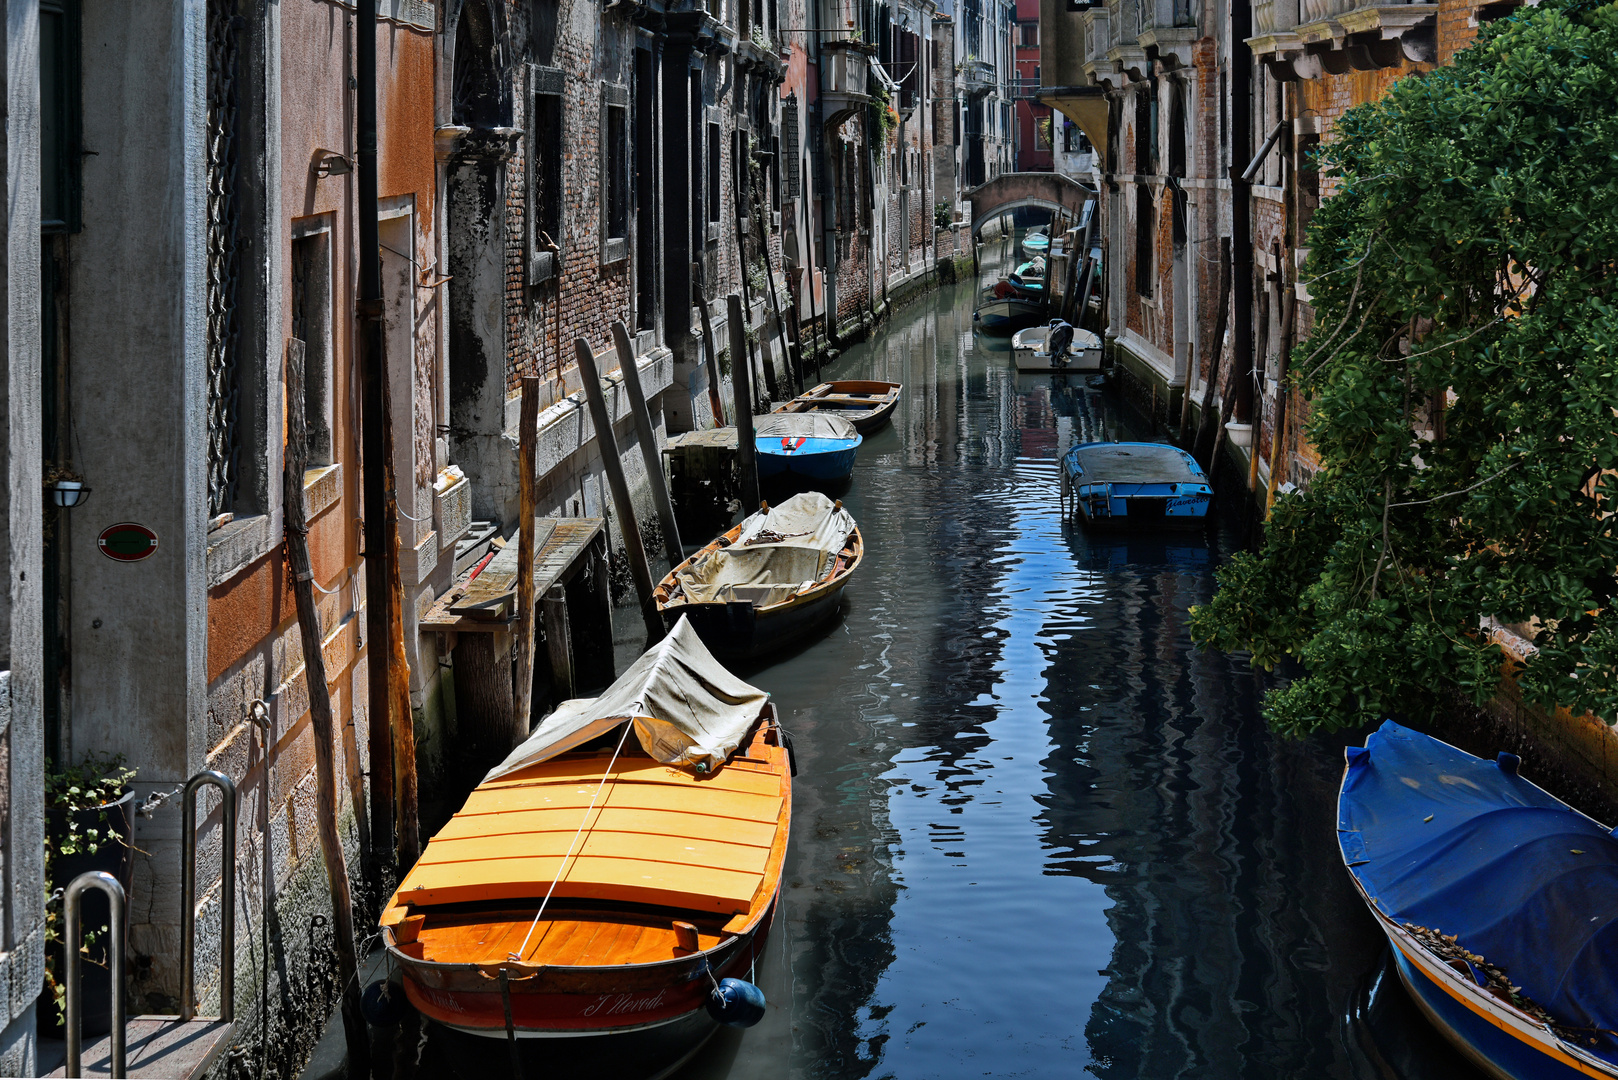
point(71, 901)
point(227, 895)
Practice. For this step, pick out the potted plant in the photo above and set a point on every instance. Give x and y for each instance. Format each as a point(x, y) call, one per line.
point(89, 825)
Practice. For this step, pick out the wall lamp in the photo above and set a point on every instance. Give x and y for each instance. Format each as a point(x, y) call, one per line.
point(327, 163)
point(69, 493)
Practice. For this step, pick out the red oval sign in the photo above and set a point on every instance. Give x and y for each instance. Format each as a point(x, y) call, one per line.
point(127, 542)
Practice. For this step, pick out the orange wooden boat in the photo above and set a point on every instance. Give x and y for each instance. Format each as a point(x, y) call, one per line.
point(865, 404)
point(588, 888)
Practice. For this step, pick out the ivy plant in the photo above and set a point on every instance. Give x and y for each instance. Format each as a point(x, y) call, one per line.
point(1462, 377)
point(94, 783)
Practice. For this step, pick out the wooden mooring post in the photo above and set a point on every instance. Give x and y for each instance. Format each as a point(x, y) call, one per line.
point(320, 716)
point(746, 451)
point(522, 682)
point(647, 438)
point(607, 442)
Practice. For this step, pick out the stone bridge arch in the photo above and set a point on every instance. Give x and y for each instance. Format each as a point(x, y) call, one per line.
point(1011, 191)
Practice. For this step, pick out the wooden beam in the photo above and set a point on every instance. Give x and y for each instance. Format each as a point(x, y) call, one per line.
point(647, 438)
point(320, 717)
point(710, 348)
point(559, 642)
point(746, 450)
point(527, 443)
point(607, 442)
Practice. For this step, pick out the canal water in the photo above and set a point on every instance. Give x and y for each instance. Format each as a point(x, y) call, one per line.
point(1035, 831)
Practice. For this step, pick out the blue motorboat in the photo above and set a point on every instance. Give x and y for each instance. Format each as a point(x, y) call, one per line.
point(1497, 899)
point(1136, 484)
point(816, 446)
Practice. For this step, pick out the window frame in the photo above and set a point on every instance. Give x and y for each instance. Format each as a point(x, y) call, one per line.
point(615, 179)
point(549, 83)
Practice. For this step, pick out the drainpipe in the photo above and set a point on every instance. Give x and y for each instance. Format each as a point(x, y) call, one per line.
point(1241, 226)
point(372, 444)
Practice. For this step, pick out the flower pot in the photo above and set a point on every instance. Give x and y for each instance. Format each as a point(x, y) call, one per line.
point(116, 857)
point(1239, 434)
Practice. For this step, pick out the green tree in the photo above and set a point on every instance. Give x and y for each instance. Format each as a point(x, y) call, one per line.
point(1462, 372)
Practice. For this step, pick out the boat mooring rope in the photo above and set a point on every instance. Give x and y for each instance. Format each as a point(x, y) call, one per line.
point(562, 870)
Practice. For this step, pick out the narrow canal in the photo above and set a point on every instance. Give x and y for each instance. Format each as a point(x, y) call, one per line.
point(1036, 832)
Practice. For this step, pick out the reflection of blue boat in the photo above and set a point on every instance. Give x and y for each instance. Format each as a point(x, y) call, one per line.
point(814, 445)
point(1460, 859)
point(1136, 483)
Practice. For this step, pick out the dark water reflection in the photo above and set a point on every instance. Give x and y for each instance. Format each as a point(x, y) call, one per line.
point(1036, 832)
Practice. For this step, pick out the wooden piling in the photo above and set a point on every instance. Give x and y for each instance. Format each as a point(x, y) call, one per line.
point(320, 716)
point(1221, 321)
point(746, 451)
point(710, 348)
point(607, 442)
point(527, 443)
point(401, 718)
point(647, 438)
point(559, 642)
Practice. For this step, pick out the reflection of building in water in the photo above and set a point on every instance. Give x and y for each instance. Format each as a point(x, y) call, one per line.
point(1204, 831)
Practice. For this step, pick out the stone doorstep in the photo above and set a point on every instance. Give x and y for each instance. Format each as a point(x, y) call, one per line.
point(156, 1046)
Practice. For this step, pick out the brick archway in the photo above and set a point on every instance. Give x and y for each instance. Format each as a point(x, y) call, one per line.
point(1011, 191)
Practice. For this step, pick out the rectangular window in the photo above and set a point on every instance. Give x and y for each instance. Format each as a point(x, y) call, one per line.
point(224, 85)
point(59, 156)
point(1029, 35)
point(615, 174)
point(715, 150)
point(1145, 246)
point(545, 148)
point(311, 324)
point(645, 191)
point(789, 128)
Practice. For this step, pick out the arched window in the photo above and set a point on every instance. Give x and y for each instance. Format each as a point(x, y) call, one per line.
point(1177, 146)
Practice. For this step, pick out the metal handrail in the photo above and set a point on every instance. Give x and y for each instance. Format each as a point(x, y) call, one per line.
point(227, 895)
point(94, 879)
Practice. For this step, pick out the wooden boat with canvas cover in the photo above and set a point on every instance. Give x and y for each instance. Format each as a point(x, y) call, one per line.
point(583, 906)
point(867, 405)
point(769, 581)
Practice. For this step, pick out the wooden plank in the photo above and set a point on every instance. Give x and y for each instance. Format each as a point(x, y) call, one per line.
point(613, 818)
point(628, 880)
point(729, 804)
point(560, 545)
point(691, 851)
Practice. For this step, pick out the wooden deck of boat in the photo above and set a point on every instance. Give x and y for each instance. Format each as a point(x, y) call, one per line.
point(656, 835)
point(564, 936)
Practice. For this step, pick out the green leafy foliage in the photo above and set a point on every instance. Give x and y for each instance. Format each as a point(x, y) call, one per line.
point(1462, 371)
point(93, 783)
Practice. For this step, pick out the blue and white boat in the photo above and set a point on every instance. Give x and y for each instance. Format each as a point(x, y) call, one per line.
point(816, 446)
point(1037, 242)
point(1497, 898)
point(1136, 484)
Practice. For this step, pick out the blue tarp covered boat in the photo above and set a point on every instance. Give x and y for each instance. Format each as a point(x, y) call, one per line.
point(817, 446)
point(1483, 883)
point(1136, 483)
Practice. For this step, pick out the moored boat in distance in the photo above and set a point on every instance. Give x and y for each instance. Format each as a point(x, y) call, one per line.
point(819, 446)
point(768, 581)
point(583, 907)
point(1037, 242)
point(1031, 353)
point(1135, 484)
point(864, 403)
point(1496, 897)
point(1004, 310)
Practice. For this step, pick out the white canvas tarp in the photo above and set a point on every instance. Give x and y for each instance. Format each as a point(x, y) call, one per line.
point(777, 554)
point(686, 708)
point(804, 425)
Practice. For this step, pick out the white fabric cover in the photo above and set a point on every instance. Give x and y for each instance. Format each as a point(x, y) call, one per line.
point(804, 425)
point(687, 709)
point(811, 530)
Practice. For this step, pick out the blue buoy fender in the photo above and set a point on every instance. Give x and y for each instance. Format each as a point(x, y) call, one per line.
point(383, 1005)
point(736, 1003)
